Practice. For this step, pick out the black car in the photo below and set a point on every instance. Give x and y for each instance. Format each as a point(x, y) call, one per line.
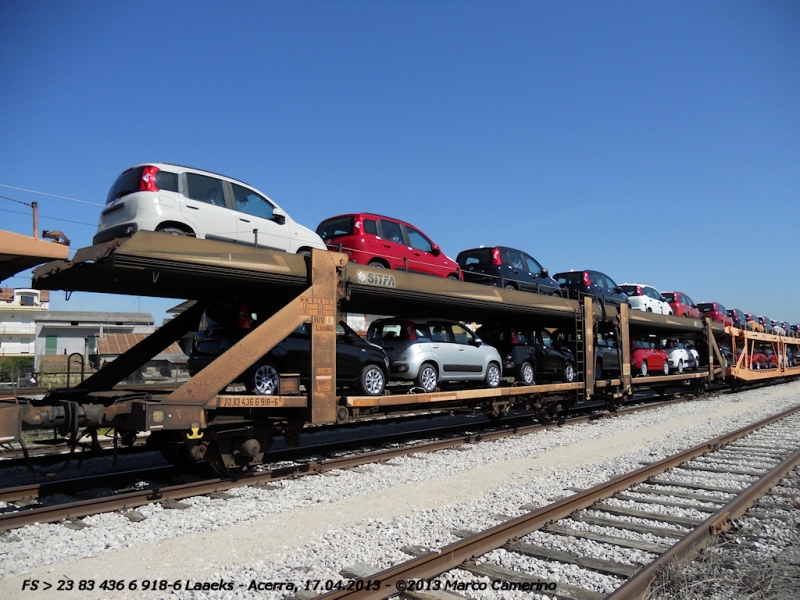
point(739, 318)
point(606, 350)
point(593, 283)
point(506, 267)
point(359, 364)
point(529, 356)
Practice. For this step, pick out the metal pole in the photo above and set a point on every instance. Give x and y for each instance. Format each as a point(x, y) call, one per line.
point(35, 206)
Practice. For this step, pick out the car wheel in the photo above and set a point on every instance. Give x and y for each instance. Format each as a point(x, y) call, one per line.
point(569, 373)
point(510, 286)
point(666, 368)
point(649, 309)
point(525, 373)
point(451, 276)
point(680, 367)
point(427, 378)
point(304, 252)
point(643, 369)
point(492, 379)
point(263, 379)
point(172, 230)
point(375, 264)
point(598, 370)
point(372, 380)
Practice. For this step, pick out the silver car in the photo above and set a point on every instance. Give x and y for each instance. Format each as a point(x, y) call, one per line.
point(428, 351)
point(681, 353)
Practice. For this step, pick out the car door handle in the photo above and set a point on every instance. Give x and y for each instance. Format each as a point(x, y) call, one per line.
point(244, 220)
point(387, 245)
point(435, 346)
point(462, 349)
point(192, 207)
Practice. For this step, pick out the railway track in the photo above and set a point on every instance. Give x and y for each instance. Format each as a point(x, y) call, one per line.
point(663, 511)
point(127, 499)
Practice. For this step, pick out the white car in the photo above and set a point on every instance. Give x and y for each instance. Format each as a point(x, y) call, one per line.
point(185, 201)
point(646, 298)
point(681, 354)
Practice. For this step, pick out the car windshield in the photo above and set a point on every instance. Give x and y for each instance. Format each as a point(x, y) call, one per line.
point(333, 228)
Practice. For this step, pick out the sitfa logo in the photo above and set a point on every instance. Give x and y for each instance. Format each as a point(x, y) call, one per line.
point(376, 279)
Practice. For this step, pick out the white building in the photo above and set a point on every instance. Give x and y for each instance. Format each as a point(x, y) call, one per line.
point(61, 333)
point(19, 310)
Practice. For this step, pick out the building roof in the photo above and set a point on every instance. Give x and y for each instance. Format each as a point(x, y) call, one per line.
point(110, 318)
point(114, 344)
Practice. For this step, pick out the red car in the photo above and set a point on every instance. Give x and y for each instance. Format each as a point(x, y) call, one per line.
point(645, 357)
point(716, 312)
point(758, 360)
point(387, 243)
point(681, 304)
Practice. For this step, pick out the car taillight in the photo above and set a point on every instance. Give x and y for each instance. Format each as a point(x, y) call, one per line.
point(148, 182)
point(411, 334)
point(638, 290)
point(514, 337)
point(496, 259)
point(586, 281)
point(243, 319)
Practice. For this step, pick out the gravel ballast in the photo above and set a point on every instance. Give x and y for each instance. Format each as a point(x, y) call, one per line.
point(312, 528)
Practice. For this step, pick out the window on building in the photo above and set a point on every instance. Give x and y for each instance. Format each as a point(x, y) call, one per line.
point(50, 345)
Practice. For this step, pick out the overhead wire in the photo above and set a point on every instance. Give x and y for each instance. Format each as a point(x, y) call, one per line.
point(11, 187)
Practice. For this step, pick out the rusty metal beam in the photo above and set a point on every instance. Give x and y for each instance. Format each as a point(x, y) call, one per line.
point(625, 343)
point(203, 388)
point(588, 346)
point(134, 358)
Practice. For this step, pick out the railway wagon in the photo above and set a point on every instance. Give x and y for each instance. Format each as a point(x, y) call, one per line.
point(203, 420)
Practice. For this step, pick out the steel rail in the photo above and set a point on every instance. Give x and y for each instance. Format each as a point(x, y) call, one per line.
point(433, 564)
point(702, 535)
point(130, 500)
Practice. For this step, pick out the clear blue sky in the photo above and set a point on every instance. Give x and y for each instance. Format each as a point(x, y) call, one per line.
point(658, 142)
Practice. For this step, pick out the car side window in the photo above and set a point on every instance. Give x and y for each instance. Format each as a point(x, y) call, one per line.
point(610, 285)
point(391, 231)
point(515, 260)
point(533, 266)
point(248, 202)
point(205, 189)
point(460, 334)
point(417, 240)
point(596, 279)
point(438, 332)
point(370, 227)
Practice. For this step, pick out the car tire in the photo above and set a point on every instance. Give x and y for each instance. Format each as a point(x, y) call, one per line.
point(510, 286)
point(492, 379)
point(569, 373)
point(680, 367)
point(451, 276)
point(649, 309)
point(172, 230)
point(263, 379)
point(427, 378)
point(666, 367)
point(598, 370)
point(372, 380)
point(525, 373)
point(643, 369)
point(376, 264)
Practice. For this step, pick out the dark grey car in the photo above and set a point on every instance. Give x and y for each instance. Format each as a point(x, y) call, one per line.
point(592, 283)
point(506, 267)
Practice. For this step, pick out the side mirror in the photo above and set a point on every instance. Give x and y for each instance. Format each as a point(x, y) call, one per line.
point(477, 342)
point(544, 273)
point(617, 290)
point(279, 216)
point(435, 250)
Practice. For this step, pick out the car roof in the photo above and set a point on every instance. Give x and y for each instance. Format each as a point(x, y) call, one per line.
point(168, 164)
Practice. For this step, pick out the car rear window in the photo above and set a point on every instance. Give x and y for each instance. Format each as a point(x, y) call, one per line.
point(481, 257)
point(395, 330)
point(333, 228)
point(705, 307)
point(572, 278)
point(668, 297)
point(630, 290)
point(125, 184)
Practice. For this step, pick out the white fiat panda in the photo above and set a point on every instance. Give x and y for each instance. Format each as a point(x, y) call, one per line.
point(185, 201)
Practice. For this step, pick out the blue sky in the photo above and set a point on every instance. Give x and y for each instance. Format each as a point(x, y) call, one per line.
point(657, 142)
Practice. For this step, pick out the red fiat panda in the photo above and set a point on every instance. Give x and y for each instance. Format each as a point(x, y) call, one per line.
point(388, 243)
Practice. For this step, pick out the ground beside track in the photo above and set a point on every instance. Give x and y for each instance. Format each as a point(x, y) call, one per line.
point(311, 528)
